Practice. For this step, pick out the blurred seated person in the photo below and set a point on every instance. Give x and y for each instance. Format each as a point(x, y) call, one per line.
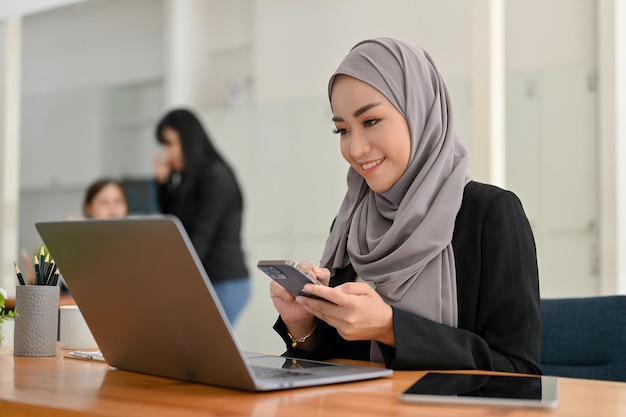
point(105, 199)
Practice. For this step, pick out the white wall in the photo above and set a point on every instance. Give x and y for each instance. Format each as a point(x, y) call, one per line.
point(552, 137)
point(208, 51)
point(299, 44)
point(550, 33)
point(75, 61)
point(93, 44)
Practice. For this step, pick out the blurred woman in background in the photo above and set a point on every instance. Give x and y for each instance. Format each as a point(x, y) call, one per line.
point(197, 185)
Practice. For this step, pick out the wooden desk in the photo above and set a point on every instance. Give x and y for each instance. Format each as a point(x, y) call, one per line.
point(59, 386)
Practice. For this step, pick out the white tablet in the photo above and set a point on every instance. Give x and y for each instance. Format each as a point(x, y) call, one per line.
point(466, 389)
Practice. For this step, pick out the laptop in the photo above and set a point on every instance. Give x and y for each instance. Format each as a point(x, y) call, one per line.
point(152, 309)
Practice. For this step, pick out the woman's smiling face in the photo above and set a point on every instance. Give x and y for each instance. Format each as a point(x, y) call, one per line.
point(375, 137)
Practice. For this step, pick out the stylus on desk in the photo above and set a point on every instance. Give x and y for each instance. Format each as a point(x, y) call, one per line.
point(79, 354)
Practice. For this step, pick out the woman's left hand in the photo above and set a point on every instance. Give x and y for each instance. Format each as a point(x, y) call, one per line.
point(355, 310)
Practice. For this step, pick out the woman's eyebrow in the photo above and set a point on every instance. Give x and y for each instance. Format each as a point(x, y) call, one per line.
point(358, 111)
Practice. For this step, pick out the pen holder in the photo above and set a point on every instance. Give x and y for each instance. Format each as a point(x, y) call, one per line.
point(36, 321)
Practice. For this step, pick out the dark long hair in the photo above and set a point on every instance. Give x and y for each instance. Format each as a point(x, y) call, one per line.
point(199, 154)
point(198, 149)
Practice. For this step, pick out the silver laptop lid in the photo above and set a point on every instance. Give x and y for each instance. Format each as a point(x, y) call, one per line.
point(126, 276)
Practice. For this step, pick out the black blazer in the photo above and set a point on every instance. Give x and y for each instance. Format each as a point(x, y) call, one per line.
point(210, 207)
point(499, 321)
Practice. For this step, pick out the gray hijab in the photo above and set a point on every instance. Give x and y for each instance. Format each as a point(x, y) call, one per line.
point(400, 240)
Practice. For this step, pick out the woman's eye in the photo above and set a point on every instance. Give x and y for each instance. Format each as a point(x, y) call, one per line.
point(341, 132)
point(370, 122)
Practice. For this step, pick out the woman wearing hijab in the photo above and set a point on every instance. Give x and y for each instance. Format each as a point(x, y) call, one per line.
point(196, 185)
point(426, 269)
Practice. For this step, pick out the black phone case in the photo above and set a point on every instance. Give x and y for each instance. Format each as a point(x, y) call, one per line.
point(291, 278)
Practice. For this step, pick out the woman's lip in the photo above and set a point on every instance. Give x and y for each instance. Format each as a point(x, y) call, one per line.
point(370, 166)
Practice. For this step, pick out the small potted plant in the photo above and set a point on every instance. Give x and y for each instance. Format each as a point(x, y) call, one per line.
point(4, 315)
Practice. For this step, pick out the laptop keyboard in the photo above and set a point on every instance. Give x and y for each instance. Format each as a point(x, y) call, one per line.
point(267, 373)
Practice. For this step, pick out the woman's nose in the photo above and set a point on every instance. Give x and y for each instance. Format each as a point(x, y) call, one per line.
point(359, 144)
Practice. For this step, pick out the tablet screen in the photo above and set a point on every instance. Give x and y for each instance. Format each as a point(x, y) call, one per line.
point(515, 391)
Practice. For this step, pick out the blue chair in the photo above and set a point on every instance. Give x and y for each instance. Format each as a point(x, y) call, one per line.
point(584, 337)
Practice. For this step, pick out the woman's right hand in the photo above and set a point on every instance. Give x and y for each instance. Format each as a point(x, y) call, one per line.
point(297, 319)
point(162, 168)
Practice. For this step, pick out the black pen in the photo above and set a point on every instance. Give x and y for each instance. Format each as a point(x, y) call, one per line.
point(50, 274)
point(20, 278)
point(36, 263)
point(55, 279)
point(47, 269)
point(42, 266)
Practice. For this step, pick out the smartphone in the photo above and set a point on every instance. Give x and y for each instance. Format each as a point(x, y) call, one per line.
point(287, 274)
point(500, 390)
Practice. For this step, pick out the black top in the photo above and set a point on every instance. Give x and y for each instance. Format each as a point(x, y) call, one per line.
point(211, 209)
point(499, 321)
